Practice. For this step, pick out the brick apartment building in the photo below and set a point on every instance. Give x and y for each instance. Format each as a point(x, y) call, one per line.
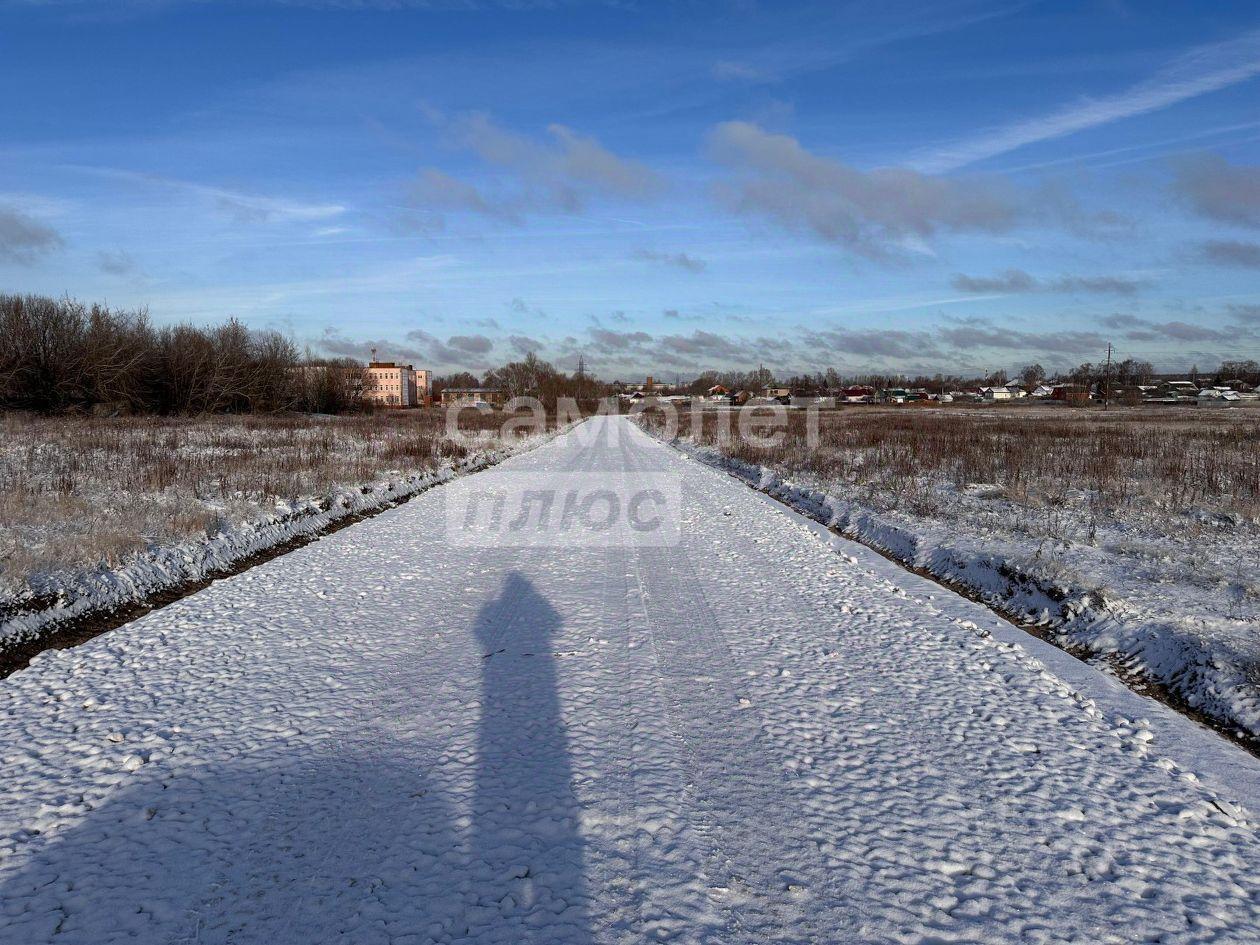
point(395, 385)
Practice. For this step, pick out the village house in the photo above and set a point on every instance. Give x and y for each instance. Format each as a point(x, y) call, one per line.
point(473, 396)
point(1237, 384)
point(1218, 397)
point(812, 400)
point(1178, 389)
point(1069, 393)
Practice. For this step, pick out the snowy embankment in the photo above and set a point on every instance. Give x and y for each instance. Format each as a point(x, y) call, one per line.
point(1113, 600)
point(72, 595)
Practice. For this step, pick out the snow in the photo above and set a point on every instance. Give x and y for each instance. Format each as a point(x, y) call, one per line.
point(1176, 607)
point(753, 737)
point(167, 565)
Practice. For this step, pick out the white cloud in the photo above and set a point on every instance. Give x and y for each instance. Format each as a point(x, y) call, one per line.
point(1017, 280)
point(560, 172)
point(118, 263)
point(729, 70)
point(23, 237)
point(681, 260)
point(1219, 190)
point(245, 207)
point(878, 213)
point(1200, 71)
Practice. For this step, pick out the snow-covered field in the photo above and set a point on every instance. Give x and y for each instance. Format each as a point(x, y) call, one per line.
point(1152, 567)
point(757, 736)
point(98, 512)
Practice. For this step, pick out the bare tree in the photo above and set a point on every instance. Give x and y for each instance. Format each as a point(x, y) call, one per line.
point(57, 354)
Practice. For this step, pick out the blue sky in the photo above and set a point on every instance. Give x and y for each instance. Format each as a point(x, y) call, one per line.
point(907, 186)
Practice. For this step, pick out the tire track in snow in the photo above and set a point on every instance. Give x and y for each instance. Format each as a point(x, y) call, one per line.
point(752, 894)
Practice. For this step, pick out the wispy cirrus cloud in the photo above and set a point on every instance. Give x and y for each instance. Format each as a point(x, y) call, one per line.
point(730, 70)
point(1017, 280)
point(1199, 71)
point(241, 206)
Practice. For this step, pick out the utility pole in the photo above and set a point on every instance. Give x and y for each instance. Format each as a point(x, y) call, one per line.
point(1106, 385)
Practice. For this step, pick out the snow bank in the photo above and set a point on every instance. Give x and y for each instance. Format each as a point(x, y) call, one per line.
point(165, 566)
point(1087, 601)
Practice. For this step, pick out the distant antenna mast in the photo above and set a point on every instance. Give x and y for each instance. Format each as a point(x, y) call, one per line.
point(373, 355)
point(1106, 384)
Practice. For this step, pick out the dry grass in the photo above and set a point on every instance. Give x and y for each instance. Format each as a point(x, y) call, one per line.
point(78, 491)
point(1121, 461)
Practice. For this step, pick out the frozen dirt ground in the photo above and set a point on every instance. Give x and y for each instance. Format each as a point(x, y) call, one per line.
point(754, 737)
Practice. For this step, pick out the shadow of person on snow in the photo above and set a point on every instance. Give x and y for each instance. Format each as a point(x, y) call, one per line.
point(300, 850)
point(526, 850)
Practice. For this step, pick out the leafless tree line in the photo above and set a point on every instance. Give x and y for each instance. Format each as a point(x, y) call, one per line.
point(532, 377)
point(60, 354)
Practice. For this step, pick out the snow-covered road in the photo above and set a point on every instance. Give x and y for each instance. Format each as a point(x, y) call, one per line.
point(748, 738)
